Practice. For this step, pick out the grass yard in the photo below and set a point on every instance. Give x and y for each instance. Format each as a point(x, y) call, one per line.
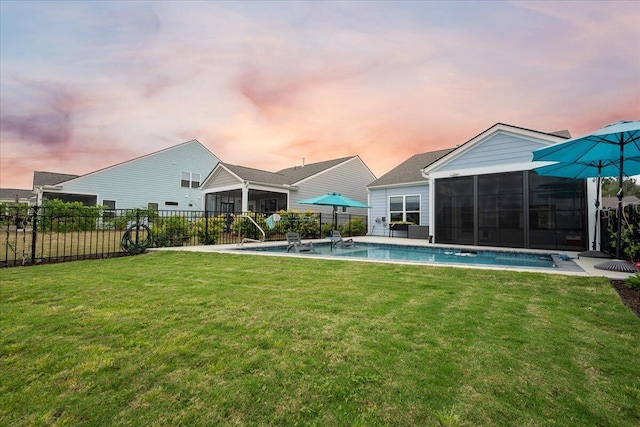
point(176, 338)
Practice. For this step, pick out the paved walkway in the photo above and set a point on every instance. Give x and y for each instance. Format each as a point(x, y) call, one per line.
point(574, 266)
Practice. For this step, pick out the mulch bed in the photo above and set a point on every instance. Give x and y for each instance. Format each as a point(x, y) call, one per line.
point(629, 297)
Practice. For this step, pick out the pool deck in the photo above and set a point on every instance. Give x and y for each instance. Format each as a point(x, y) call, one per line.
point(582, 267)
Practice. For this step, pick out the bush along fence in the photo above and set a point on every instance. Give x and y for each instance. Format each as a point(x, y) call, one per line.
point(57, 231)
point(630, 236)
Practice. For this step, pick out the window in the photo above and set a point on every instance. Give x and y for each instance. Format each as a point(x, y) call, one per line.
point(405, 208)
point(152, 206)
point(110, 206)
point(190, 180)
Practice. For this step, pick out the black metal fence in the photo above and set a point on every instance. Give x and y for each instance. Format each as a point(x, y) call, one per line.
point(33, 235)
point(630, 241)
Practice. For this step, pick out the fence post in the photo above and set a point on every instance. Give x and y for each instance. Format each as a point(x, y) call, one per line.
point(206, 228)
point(34, 233)
point(137, 225)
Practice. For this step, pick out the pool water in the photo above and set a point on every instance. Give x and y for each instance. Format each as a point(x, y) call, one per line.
point(428, 255)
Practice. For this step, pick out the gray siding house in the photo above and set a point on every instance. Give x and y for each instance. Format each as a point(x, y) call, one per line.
point(166, 179)
point(234, 189)
point(484, 193)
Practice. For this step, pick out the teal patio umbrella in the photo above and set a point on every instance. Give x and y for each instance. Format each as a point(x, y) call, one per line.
point(616, 146)
point(335, 200)
point(585, 170)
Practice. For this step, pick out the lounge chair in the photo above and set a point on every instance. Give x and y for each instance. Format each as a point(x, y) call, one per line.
point(293, 239)
point(336, 239)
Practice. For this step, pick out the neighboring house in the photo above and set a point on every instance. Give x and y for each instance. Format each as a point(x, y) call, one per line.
point(612, 202)
point(167, 179)
point(485, 193)
point(233, 188)
point(14, 195)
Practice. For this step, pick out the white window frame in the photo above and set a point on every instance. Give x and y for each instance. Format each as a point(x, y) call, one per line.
point(190, 180)
point(404, 210)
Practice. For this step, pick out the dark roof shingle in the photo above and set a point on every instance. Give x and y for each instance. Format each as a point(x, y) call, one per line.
point(50, 178)
point(285, 176)
point(409, 170)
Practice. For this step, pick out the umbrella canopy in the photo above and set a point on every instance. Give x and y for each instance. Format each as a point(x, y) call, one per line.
point(589, 170)
point(606, 144)
point(333, 199)
point(616, 144)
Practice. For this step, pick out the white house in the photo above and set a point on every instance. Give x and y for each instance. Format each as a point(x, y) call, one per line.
point(484, 193)
point(233, 188)
point(167, 179)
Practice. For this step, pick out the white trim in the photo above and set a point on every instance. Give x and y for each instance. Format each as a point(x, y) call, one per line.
point(402, 184)
point(222, 189)
point(404, 206)
point(485, 170)
point(262, 187)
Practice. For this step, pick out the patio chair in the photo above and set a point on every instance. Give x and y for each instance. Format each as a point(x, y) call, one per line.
point(336, 239)
point(293, 239)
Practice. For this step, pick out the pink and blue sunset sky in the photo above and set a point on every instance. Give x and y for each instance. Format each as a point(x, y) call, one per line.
point(85, 85)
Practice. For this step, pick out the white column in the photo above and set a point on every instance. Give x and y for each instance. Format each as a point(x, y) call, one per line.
point(245, 197)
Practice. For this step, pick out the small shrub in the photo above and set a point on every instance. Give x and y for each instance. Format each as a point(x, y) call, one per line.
point(354, 227)
point(304, 223)
point(208, 229)
point(172, 231)
point(633, 282)
point(326, 228)
point(62, 217)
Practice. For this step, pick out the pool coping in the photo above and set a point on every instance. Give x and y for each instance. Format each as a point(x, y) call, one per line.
point(568, 264)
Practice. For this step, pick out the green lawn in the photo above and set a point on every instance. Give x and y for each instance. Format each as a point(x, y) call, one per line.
point(176, 338)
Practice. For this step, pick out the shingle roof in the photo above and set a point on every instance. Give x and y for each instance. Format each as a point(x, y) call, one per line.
point(50, 178)
point(409, 170)
point(284, 176)
point(11, 193)
point(256, 175)
point(298, 173)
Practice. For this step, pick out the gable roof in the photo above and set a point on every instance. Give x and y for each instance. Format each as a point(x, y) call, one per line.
point(551, 137)
point(288, 176)
point(41, 178)
point(255, 175)
point(50, 178)
point(409, 170)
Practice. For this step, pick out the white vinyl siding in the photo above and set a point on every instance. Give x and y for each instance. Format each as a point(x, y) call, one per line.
point(189, 180)
point(152, 177)
point(379, 201)
point(222, 179)
point(499, 149)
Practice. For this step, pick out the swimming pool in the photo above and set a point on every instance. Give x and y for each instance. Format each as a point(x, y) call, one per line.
point(422, 254)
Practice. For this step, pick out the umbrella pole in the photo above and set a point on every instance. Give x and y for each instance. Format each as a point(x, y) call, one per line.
point(619, 264)
point(595, 227)
point(593, 253)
